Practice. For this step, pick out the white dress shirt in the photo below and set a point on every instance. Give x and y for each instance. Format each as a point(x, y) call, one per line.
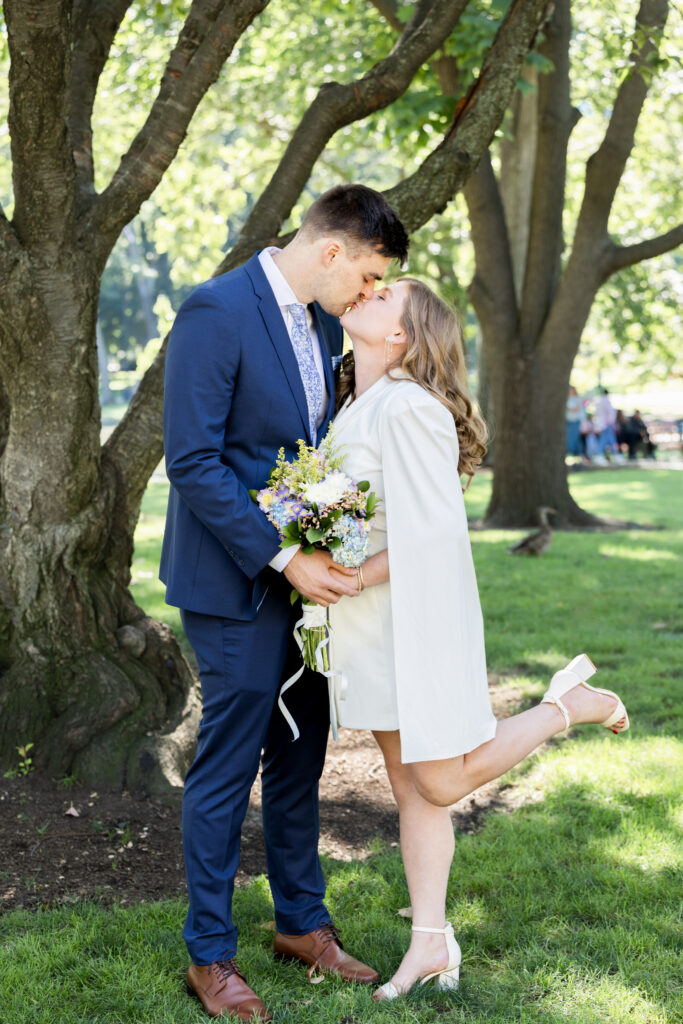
point(285, 297)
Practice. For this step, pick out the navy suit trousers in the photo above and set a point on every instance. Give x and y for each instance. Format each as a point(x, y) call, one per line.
point(241, 667)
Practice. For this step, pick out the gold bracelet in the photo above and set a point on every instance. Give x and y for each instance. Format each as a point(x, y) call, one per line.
point(361, 581)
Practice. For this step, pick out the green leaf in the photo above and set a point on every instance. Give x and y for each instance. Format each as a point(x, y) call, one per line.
point(294, 597)
point(314, 535)
point(308, 549)
point(363, 485)
point(334, 543)
point(253, 494)
point(539, 61)
point(526, 88)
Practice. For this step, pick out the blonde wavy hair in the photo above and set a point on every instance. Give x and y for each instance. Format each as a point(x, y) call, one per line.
point(434, 358)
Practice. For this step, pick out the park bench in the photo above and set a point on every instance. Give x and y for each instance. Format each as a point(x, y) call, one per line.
point(666, 434)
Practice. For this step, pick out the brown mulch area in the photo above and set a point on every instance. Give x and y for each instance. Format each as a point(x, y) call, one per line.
point(124, 849)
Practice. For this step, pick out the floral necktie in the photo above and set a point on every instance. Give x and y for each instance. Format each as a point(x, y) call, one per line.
point(310, 378)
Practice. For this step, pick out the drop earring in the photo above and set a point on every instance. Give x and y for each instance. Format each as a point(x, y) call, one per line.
point(388, 349)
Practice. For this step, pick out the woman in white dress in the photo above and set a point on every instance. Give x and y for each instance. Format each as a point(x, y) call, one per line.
point(410, 648)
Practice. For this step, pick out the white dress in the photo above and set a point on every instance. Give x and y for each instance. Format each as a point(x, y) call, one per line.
point(410, 653)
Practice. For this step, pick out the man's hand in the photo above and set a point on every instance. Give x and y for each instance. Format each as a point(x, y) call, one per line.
point(311, 575)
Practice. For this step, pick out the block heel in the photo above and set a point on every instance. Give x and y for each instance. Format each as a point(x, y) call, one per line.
point(447, 979)
point(576, 673)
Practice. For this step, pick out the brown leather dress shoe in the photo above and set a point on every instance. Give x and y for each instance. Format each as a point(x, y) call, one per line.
point(222, 989)
point(322, 949)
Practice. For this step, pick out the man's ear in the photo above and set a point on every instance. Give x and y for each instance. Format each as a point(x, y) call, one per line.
point(332, 249)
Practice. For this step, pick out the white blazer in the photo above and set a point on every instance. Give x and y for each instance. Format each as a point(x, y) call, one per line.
point(411, 652)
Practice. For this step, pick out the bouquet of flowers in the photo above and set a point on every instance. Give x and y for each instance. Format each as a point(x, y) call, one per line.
point(313, 503)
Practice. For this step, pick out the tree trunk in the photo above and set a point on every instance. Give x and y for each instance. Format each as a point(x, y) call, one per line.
point(100, 689)
point(88, 675)
point(485, 401)
point(529, 399)
point(103, 365)
point(516, 231)
point(532, 312)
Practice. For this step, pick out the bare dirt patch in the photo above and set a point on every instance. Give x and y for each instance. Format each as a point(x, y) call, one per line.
point(124, 849)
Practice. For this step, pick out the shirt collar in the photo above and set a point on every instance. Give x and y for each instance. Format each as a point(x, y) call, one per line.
point(284, 296)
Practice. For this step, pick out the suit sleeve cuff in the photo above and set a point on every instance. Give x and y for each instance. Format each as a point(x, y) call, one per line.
point(283, 558)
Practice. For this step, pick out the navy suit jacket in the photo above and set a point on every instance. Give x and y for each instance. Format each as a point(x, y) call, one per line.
point(233, 397)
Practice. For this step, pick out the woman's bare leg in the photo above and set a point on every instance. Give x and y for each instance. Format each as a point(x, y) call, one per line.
point(445, 782)
point(427, 845)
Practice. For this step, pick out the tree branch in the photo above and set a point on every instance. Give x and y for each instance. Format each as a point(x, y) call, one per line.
point(592, 249)
point(492, 290)
point(389, 11)
point(338, 105)
point(39, 39)
point(137, 444)
point(206, 40)
point(477, 116)
point(517, 154)
point(555, 123)
point(445, 65)
point(617, 257)
point(95, 24)
point(606, 167)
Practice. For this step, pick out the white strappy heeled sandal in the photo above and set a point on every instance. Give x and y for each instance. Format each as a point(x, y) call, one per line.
point(578, 671)
point(447, 978)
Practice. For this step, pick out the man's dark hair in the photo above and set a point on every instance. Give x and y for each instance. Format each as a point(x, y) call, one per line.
point(363, 215)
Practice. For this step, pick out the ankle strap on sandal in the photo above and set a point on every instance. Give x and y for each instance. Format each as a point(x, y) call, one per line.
point(433, 931)
point(561, 706)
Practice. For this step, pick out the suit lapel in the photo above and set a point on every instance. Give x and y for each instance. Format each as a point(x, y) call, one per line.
point(327, 364)
point(275, 326)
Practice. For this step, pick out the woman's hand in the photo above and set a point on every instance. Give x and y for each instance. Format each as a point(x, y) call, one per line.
point(375, 570)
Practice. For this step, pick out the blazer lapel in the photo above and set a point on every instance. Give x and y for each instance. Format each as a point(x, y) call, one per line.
point(327, 364)
point(275, 326)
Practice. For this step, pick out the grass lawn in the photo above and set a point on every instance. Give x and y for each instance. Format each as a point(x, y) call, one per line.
point(568, 909)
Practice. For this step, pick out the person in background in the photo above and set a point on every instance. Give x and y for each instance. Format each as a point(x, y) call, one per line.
point(626, 434)
point(591, 448)
point(605, 419)
point(574, 414)
point(639, 428)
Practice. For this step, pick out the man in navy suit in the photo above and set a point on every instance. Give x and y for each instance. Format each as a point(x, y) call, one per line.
point(249, 370)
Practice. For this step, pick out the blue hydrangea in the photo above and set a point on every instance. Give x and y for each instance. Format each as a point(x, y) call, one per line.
point(284, 512)
point(353, 533)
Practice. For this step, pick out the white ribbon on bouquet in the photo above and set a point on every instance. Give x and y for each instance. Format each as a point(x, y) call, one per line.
point(314, 616)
